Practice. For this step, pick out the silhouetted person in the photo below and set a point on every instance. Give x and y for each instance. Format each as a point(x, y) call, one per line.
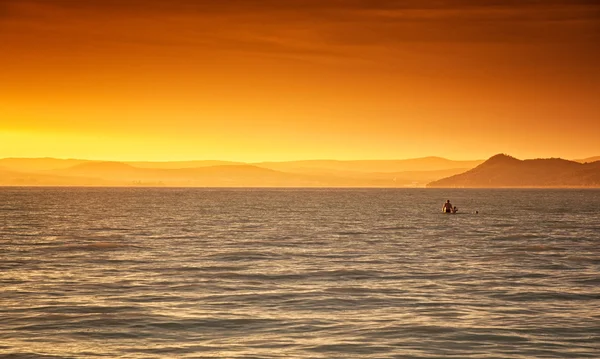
point(447, 208)
point(454, 209)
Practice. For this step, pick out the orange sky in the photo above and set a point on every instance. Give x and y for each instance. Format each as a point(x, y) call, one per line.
point(299, 79)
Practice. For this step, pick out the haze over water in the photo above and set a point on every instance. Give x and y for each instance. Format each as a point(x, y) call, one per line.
point(299, 273)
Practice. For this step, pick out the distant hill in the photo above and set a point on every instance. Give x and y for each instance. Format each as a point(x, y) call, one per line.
point(589, 159)
point(498, 171)
point(46, 164)
point(181, 164)
point(122, 174)
point(38, 164)
point(404, 178)
point(365, 166)
point(244, 175)
point(506, 171)
point(201, 176)
point(369, 166)
point(111, 170)
point(317, 173)
point(12, 178)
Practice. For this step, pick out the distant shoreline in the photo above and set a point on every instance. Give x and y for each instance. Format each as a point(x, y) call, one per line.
point(294, 187)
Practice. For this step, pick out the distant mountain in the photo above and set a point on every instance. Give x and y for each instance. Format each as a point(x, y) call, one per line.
point(181, 164)
point(318, 173)
point(589, 159)
point(46, 164)
point(364, 166)
point(12, 178)
point(506, 171)
point(369, 166)
point(104, 169)
point(123, 174)
point(498, 171)
point(38, 164)
point(404, 178)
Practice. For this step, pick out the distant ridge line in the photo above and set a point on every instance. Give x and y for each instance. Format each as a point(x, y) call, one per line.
point(506, 171)
point(499, 170)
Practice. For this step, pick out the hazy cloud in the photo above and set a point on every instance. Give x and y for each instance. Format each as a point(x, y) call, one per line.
point(310, 7)
point(311, 27)
point(450, 20)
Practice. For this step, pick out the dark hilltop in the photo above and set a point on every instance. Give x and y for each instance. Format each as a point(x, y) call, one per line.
point(505, 171)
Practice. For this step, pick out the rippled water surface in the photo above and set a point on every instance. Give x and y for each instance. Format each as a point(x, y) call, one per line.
point(299, 273)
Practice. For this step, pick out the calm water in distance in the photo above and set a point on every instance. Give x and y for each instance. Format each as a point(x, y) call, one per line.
point(299, 273)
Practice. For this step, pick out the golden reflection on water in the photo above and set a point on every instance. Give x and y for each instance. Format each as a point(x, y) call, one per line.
point(185, 285)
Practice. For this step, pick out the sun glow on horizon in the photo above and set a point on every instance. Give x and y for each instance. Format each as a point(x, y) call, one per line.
point(298, 80)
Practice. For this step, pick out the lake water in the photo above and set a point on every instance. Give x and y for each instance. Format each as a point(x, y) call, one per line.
point(299, 273)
